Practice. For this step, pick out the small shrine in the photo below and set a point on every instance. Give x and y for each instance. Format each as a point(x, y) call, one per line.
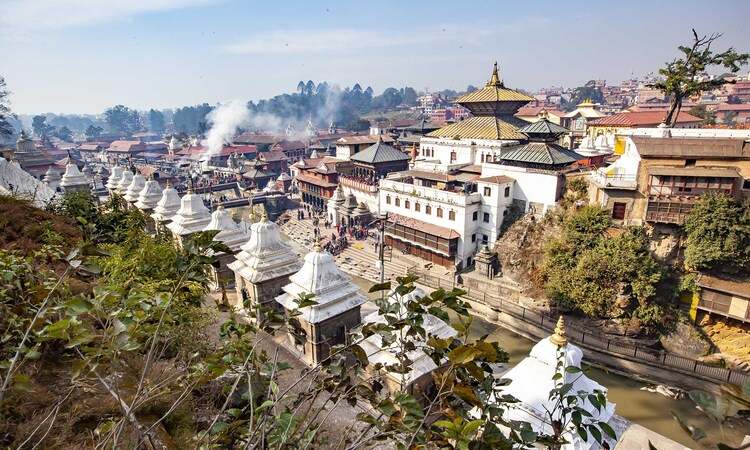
point(166, 207)
point(192, 217)
point(125, 180)
point(263, 266)
point(418, 379)
point(134, 189)
point(347, 209)
point(73, 180)
point(486, 262)
point(149, 196)
point(532, 379)
point(336, 310)
point(52, 178)
point(229, 233)
point(334, 205)
point(114, 178)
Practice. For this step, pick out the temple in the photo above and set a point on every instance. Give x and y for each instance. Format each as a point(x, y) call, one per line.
point(166, 208)
point(73, 180)
point(132, 192)
point(262, 267)
point(233, 236)
point(192, 217)
point(336, 310)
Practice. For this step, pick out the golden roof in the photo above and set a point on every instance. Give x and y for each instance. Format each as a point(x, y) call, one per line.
point(479, 127)
point(494, 91)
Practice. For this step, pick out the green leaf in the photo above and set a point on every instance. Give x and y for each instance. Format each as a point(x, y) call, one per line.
point(462, 354)
point(595, 433)
point(380, 287)
point(219, 427)
point(472, 426)
point(604, 426)
point(78, 305)
point(360, 354)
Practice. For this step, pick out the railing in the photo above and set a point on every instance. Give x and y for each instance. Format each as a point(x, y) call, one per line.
point(591, 339)
point(624, 180)
point(358, 185)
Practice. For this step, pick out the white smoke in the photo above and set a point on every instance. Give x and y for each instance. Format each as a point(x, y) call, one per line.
point(225, 120)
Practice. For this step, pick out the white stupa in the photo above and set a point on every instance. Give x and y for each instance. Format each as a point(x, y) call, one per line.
point(532, 380)
point(283, 177)
point(334, 202)
point(230, 232)
point(167, 206)
point(265, 256)
point(52, 178)
point(174, 144)
point(125, 180)
point(586, 147)
point(149, 196)
point(133, 190)
point(422, 363)
point(332, 290)
point(114, 177)
point(73, 179)
point(270, 187)
point(192, 217)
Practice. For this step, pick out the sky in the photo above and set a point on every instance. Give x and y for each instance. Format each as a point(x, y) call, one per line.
point(83, 56)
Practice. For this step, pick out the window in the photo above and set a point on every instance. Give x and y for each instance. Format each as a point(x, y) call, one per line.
point(428, 209)
point(507, 191)
point(487, 191)
point(451, 215)
point(474, 237)
point(398, 201)
point(746, 184)
point(474, 215)
point(417, 207)
point(453, 156)
point(618, 211)
point(505, 212)
point(439, 212)
point(486, 217)
point(485, 239)
point(387, 199)
point(689, 163)
point(407, 204)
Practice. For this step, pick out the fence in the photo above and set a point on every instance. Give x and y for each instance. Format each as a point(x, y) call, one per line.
point(591, 339)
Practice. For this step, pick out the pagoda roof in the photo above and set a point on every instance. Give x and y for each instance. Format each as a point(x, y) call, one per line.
point(265, 256)
point(483, 127)
point(543, 127)
point(540, 153)
point(494, 91)
point(379, 152)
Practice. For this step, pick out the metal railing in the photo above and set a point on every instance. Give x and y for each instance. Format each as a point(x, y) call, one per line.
point(592, 339)
point(614, 180)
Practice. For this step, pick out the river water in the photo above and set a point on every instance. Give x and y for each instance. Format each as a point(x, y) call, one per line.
point(649, 409)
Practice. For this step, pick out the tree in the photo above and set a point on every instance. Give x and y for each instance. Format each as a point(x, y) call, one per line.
point(156, 121)
point(685, 77)
point(730, 118)
point(64, 133)
point(40, 127)
point(6, 129)
point(123, 120)
point(582, 93)
point(717, 233)
point(93, 132)
point(708, 116)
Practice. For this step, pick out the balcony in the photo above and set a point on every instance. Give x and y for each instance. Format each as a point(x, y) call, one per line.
point(615, 180)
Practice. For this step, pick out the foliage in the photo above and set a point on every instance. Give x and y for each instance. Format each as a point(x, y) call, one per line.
point(93, 132)
point(156, 121)
point(123, 120)
point(708, 116)
point(112, 223)
point(64, 133)
point(191, 119)
point(586, 92)
point(717, 233)
point(6, 129)
point(685, 77)
point(40, 126)
point(603, 276)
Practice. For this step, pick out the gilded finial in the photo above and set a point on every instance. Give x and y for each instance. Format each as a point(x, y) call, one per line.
point(317, 247)
point(264, 216)
point(559, 338)
point(495, 78)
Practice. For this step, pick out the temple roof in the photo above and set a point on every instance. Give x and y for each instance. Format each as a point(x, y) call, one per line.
point(543, 127)
point(540, 153)
point(149, 195)
point(193, 216)
point(494, 91)
point(483, 127)
point(379, 152)
point(167, 205)
point(230, 232)
point(134, 188)
point(332, 290)
point(265, 256)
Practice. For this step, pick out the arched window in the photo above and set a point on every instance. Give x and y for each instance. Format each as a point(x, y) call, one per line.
point(439, 212)
point(507, 191)
point(451, 215)
point(388, 199)
point(428, 209)
point(417, 207)
point(407, 204)
point(398, 201)
point(453, 156)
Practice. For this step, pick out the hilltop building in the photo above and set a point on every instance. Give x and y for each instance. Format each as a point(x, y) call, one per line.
point(337, 310)
point(262, 267)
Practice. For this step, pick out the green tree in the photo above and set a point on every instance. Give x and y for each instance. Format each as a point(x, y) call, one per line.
point(122, 119)
point(6, 129)
point(93, 132)
point(156, 121)
point(717, 233)
point(64, 133)
point(40, 126)
point(685, 77)
point(708, 116)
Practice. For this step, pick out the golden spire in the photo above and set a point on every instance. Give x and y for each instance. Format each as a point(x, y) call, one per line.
point(264, 216)
point(317, 248)
point(559, 338)
point(495, 78)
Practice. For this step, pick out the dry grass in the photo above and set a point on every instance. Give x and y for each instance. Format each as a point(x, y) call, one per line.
point(26, 228)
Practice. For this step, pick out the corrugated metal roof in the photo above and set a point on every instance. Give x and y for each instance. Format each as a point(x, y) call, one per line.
point(494, 94)
point(541, 153)
point(543, 126)
point(379, 152)
point(481, 127)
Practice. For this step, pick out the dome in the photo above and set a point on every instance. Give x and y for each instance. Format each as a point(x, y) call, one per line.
point(134, 189)
point(51, 175)
point(333, 291)
point(73, 177)
point(192, 217)
point(229, 231)
point(265, 256)
point(167, 205)
point(115, 177)
point(149, 195)
point(125, 180)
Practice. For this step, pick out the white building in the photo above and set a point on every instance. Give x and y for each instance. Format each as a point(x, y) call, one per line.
point(192, 217)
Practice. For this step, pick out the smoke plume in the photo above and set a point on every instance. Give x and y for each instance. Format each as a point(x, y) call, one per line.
point(225, 119)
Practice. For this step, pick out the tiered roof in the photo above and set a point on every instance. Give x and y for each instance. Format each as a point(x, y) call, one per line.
point(134, 189)
point(265, 256)
point(379, 152)
point(149, 196)
point(192, 217)
point(230, 232)
point(332, 290)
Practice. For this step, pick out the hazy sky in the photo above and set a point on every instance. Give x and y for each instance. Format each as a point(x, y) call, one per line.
point(86, 55)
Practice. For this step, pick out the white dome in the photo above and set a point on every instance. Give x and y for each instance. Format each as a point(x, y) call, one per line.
point(193, 216)
point(167, 205)
point(73, 177)
point(125, 180)
point(265, 256)
point(230, 232)
point(149, 195)
point(114, 177)
point(135, 188)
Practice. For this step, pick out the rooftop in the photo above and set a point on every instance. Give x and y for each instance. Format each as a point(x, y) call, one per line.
point(483, 127)
point(494, 91)
point(379, 152)
point(642, 118)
